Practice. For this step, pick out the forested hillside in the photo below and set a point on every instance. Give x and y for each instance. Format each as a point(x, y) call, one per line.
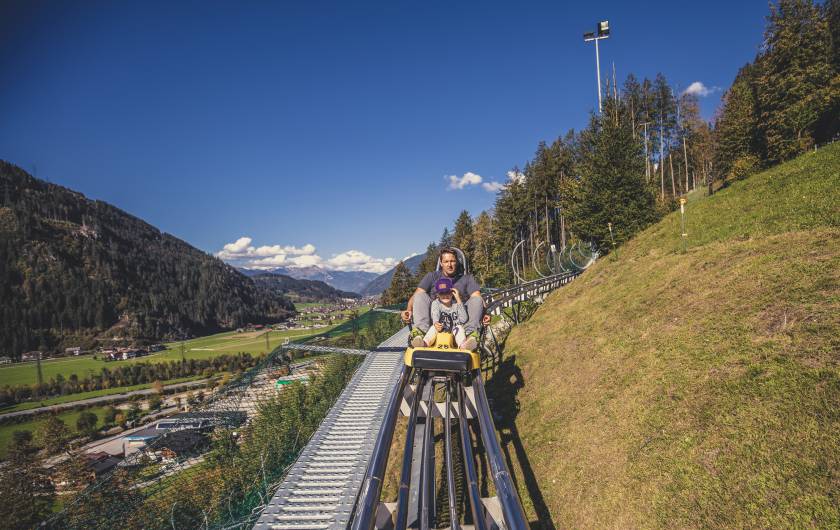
point(72, 269)
point(300, 290)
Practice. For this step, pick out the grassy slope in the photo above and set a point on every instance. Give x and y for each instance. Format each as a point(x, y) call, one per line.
point(696, 389)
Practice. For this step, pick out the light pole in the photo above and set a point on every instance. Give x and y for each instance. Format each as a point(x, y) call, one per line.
point(602, 32)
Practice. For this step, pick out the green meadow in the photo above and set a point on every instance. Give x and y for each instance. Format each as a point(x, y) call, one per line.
point(228, 342)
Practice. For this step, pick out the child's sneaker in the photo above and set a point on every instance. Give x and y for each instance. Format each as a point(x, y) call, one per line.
point(471, 343)
point(417, 338)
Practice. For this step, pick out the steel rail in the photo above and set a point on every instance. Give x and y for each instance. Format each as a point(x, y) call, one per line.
point(469, 462)
point(534, 259)
point(405, 476)
point(427, 472)
point(374, 476)
point(447, 449)
point(512, 510)
point(321, 488)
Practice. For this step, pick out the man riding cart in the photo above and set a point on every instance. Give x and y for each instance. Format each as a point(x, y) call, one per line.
point(419, 306)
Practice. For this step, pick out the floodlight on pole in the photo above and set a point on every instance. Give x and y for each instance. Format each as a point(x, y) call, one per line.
point(602, 32)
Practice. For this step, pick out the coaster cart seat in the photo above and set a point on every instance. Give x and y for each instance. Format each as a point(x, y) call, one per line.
point(442, 356)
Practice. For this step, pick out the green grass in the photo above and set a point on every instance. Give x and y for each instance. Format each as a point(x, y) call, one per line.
point(69, 418)
point(696, 389)
point(92, 394)
point(228, 342)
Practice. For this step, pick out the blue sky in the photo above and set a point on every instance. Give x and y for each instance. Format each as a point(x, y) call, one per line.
point(329, 124)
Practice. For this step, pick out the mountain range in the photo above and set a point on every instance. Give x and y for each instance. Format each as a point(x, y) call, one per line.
point(300, 290)
point(79, 272)
point(352, 281)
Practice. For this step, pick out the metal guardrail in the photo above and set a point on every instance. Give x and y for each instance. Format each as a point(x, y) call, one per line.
point(512, 296)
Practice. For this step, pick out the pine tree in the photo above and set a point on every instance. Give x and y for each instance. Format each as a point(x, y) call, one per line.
point(612, 188)
point(429, 263)
point(53, 434)
point(462, 236)
point(509, 223)
point(736, 130)
point(401, 288)
point(633, 98)
point(795, 88)
point(828, 126)
point(445, 239)
point(662, 132)
point(832, 16)
point(485, 266)
point(699, 142)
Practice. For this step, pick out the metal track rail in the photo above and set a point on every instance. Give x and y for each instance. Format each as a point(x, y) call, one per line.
point(320, 490)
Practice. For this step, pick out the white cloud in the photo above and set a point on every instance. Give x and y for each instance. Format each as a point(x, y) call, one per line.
point(516, 176)
point(239, 245)
point(472, 179)
point(698, 89)
point(410, 256)
point(309, 260)
point(492, 186)
point(356, 260)
point(242, 249)
point(277, 249)
point(513, 176)
point(268, 263)
point(468, 179)
point(242, 253)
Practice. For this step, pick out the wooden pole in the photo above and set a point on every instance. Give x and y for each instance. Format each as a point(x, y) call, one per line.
point(685, 156)
point(662, 160)
point(673, 184)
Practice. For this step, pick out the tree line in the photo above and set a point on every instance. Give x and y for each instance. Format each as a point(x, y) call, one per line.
point(787, 100)
point(648, 147)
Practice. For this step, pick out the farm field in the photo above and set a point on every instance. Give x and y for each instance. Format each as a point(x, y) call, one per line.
point(228, 342)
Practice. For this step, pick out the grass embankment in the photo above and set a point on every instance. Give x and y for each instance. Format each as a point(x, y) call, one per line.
point(670, 389)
